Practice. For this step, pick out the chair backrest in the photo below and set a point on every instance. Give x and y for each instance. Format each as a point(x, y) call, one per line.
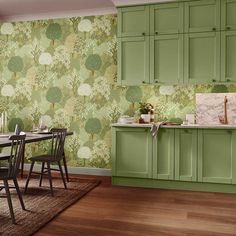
point(58, 141)
point(16, 154)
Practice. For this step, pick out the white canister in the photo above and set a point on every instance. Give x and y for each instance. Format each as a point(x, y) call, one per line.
point(190, 118)
point(146, 118)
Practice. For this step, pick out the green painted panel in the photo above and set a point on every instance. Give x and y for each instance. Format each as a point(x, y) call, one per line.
point(215, 156)
point(202, 57)
point(166, 18)
point(133, 21)
point(202, 16)
point(186, 155)
point(166, 59)
point(228, 56)
point(132, 152)
point(228, 16)
point(133, 63)
point(163, 155)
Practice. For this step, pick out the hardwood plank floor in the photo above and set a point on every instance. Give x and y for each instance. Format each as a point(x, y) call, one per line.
point(109, 210)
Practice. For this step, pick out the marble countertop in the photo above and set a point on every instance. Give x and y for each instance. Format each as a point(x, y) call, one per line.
point(196, 126)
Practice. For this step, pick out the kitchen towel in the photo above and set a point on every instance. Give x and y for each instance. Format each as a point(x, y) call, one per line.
point(154, 129)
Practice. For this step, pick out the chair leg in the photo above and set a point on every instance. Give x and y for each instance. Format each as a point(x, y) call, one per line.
point(62, 175)
point(41, 176)
point(29, 175)
point(9, 201)
point(19, 193)
point(50, 178)
point(65, 166)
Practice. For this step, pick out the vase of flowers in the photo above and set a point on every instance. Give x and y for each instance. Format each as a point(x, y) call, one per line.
point(145, 110)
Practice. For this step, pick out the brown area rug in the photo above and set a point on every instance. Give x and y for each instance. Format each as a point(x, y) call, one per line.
point(41, 206)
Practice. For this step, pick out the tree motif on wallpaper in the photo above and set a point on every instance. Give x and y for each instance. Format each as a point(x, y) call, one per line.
point(54, 95)
point(93, 63)
point(93, 126)
point(54, 32)
point(15, 64)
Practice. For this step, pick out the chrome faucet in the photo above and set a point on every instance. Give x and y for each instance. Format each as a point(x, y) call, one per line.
point(224, 119)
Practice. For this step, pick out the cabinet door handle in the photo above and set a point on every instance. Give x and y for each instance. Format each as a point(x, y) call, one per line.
point(228, 80)
point(143, 82)
point(143, 34)
point(185, 131)
point(214, 29)
point(156, 32)
point(156, 81)
point(213, 80)
point(228, 28)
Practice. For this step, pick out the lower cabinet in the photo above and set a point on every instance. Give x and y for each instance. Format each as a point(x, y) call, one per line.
point(217, 156)
point(178, 154)
point(163, 154)
point(186, 154)
point(132, 152)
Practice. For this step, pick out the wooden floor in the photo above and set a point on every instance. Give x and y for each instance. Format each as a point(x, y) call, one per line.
point(113, 211)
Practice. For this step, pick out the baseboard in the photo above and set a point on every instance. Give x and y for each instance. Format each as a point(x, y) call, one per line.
point(78, 170)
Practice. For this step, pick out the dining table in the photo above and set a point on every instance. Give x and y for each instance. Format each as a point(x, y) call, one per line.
point(32, 137)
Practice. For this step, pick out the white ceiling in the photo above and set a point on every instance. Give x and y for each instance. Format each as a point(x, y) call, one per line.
point(17, 10)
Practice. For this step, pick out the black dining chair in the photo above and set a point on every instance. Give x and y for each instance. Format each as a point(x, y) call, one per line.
point(11, 170)
point(55, 156)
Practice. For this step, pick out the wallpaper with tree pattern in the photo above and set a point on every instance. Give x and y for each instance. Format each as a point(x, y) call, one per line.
point(64, 72)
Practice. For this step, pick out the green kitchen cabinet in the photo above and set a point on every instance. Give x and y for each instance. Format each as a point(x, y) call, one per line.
point(202, 58)
point(133, 21)
point(202, 16)
point(228, 56)
point(166, 59)
point(186, 154)
point(166, 18)
point(163, 155)
point(132, 152)
point(133, 61)
point(217, 156)
point(228, 14)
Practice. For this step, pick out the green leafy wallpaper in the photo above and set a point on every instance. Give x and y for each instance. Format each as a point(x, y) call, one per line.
point(64, 72)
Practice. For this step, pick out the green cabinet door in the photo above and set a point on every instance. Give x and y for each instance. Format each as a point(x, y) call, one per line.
point(133, 21)
point(166, 18)
point(217, 156)
point(132, 152)
point(228, 14)
point(228, 56)
point(166, 59)
point(202, 58)
point(186, 154)
point(163, 155)
point(133, 61)
point(202, 16)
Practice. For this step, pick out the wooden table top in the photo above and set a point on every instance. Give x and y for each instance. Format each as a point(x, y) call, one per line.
point(30, 138)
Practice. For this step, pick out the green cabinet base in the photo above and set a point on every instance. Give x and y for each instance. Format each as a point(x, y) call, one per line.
point(177, 185)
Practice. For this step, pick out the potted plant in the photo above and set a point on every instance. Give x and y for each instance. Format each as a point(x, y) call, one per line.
point(145, 110)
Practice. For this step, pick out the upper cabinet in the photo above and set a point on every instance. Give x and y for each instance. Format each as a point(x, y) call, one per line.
point(228, 14)
point(202, 58)
point(166, 59)
point(166, 18)
point(202, 16)
point(190, 42)
point(133, 57)
point(133, 21)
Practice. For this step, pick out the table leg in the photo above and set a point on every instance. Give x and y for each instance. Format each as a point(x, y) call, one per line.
point(22, 162)
point(65, 166)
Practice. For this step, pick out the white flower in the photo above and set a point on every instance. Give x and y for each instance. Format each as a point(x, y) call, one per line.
point(166, 90)
point(45, 58)
point(7, 90)
point(85, 25)
point(84, 152)
point(84, 90)
point(7, 28)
